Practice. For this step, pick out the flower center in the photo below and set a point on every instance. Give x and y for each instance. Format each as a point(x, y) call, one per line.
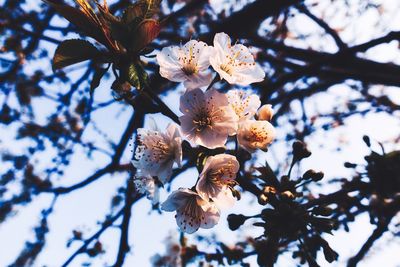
point(227, 68)
point(256, 136)
point(160, 151)
point(189, 64)
point(189, 69)
point(234, 60)
point(214, 176)
point(202, 122)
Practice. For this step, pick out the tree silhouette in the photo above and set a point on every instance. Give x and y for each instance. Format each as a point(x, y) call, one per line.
point(56, 117)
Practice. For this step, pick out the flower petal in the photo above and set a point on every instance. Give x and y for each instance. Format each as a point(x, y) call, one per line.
point(224, 199)
point(192, 101)
point(176, 199)
point(222, 41)
point(198, 80)
point(211, 217)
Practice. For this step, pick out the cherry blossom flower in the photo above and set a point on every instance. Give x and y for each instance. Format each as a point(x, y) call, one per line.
point(156, 152)
point(188, 64)
point(244, 105)
point(265, 113)
point(255, 134)
point(192, 211)
point(234, 63)
point(147, 185)
point(207, 119)
point(217, 179)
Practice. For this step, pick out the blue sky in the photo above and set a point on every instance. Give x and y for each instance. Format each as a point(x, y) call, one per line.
point(84, 208)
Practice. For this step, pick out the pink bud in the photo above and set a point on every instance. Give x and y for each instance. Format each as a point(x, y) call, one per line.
point(265, 113)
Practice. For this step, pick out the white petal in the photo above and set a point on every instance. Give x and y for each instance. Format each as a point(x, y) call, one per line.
point(226, 166)
point(211, 139)
point(245, 106)
point(175, 140)
point(242, 54)
point(224, 199)
point(173, 74)
point(211, 217)
point(200, 53)
point(205, 189)
point(192, 101)
point(247, 75)
point(222, 41)
point(198, 80)
point(164, 172)
point(228, 163)
point(186, 223)
point(188, 127)
point(176, 199)
point(169, 57)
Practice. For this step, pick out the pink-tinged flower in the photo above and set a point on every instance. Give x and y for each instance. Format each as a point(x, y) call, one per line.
point(147, 185)
point(156, 152)
point(218, 178)
point(254, 135)
point(244, 105)
point(207, 119)
point(188, 64)
point(265, 113)
point(234, 63)
point(192, 211)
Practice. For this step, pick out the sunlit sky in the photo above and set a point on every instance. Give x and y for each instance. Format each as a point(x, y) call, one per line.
point(84, 208)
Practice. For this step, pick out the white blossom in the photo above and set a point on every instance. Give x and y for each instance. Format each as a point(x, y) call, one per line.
point(147, 185)
point(244, 105)
point(234, 63)
point(192, 211)
point(254, 135)
point(156, 152)
point(218, 178)
point(188, 64)
point(207, 118)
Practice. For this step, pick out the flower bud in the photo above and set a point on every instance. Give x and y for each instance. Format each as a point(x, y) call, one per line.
point(309, 174)
point(235, 221)
point(287, 195)
point(263, 199)
point(300, 151)
point(265, 113)
point(318, 176)
point(323, 211)
point(350, 165)
point(313, 175)
point(269, 190)
point(366, 140)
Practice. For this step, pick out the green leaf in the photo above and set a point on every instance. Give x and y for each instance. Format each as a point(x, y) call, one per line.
point(74, 51)
point(137, 76)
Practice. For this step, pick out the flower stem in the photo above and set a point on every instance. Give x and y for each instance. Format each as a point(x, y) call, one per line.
point(164, 108)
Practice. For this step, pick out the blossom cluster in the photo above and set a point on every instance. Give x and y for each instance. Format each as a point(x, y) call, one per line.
point(209, 119)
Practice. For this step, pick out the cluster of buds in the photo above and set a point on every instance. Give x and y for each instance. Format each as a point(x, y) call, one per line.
point(289, 217)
